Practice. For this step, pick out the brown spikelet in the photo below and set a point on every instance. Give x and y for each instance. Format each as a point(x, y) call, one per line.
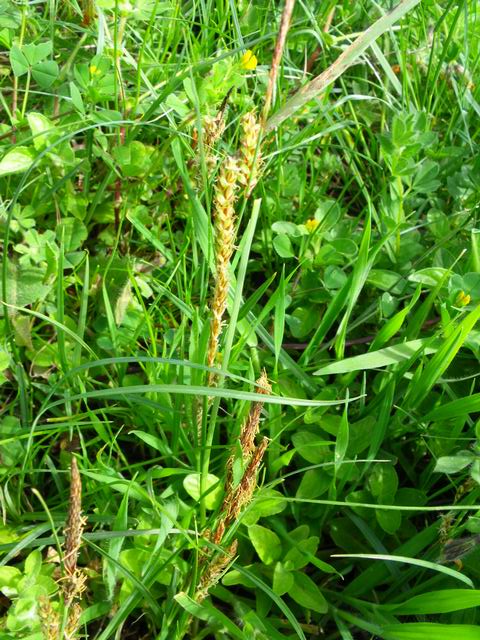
point(73, 621)
point(75, 522)
point(214, 571)
point(250, 157)
point(239, 498)
point(49, 619)
point(212, 129)
point(224, 217)
point(249, 430)
point(73, 583)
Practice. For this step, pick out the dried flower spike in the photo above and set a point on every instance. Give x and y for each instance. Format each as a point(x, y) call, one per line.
point(214, 571)
point(224, 217)
point(74, 582)
point(251, 426)
point(250, 157)
point(248, 432)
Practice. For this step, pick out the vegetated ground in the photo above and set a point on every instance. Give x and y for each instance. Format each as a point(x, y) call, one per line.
point(359, 285)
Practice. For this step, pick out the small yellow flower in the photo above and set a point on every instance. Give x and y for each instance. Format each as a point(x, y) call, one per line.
point(94, 70)
point(463, 299)
point(249, 60)
point(311, 224)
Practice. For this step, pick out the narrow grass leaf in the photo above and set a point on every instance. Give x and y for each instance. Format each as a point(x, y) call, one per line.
point(377, 359)
point(441, 360)
point(434, 566)
point(430, 631)
point(345, 60)
point(444, 601)
point(456, 408)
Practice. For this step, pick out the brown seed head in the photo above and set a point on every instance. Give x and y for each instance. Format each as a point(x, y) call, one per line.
point(224, 217)
point(250, 157)
point(214, 571)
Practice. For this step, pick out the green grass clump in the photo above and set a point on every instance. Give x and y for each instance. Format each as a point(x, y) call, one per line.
point(166, 243)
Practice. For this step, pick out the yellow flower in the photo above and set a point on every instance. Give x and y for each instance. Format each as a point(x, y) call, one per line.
point(93, 70)
point(249, 60)
point(463, 299)
point(311, 224)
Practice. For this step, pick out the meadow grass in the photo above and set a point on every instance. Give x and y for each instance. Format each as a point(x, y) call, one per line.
point(239, 328)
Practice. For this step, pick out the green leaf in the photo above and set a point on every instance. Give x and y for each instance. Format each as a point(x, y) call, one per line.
point(456, 408)
point(283, 246)
point(444, 601)
point(430, 631)
point(72, 233)
point(279, 319)
point(266, 543)
point(282, 579)
point(311, 447)
point(206, 612)
point(35, 53)
point(9, 579)
point(16, 160)
point(213, 490)
point(440, 361)
point(42, 129)
point(390, 521)
point(377, 359)
point(454, 464)
point(306, 593)
point(345, 60)
point(18, 61)
point(434, 566)
point(45, 73)
point(76, 97)
point(267, 502)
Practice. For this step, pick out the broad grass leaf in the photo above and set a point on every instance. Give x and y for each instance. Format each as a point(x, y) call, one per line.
point(345, 60)
point(444, 601)
point(377, 359)
point(208, 613)
point(266, 543)
point(360, 272)
point(434, 566)
point(440, 361)
point(429, 631)
point(306, 593)
point(455, 409)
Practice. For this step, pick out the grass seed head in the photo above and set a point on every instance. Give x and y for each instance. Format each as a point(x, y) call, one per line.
point(224, 218)
point(215, 571)
point(250, 157)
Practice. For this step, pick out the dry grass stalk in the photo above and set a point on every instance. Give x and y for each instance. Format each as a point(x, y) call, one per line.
point(250, 157)
point(277, 56)
point(224, 217)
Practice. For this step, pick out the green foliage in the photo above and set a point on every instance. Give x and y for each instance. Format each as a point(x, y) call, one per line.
point(356, 286)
